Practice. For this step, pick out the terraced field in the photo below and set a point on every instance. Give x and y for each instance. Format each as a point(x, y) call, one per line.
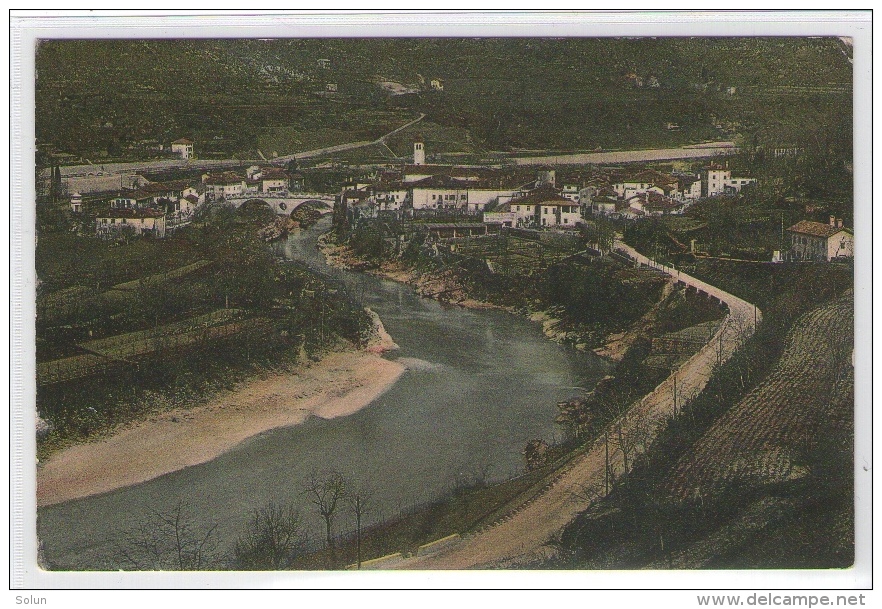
point(765, 438)
point(103, 354)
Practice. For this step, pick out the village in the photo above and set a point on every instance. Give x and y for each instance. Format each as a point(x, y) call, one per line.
point(446, 200)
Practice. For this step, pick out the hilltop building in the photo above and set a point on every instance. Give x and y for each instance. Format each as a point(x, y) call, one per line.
point(183, 148)
point(419, 152)
point(818, 241)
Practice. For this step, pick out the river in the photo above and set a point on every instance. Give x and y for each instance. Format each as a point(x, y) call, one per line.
point(480, 384)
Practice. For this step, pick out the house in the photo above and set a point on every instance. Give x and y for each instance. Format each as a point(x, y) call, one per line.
point(654, 204)
point(324, 64)
point(415, 173)
point(818, 241)
point(354, 197)
point(183, 148)
point(572, 192)
point(390, 196)
point(604, 205)
point(493, 191)
point(440, 192)
point(173, 189)
point(544, 207)
point(133, 199)
point(688, 188)
point(127, 222)
point(437, 84)
point(717, 180)
point(222, 185)
point(274, 179)
point(645, 181)
point(331, 87)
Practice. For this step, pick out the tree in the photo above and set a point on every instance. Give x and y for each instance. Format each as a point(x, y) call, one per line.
point(169, 540)
point(273, 538)
point(327, 494)
point(536, 454)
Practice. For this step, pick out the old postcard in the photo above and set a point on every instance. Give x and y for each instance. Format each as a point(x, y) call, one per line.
point(445, 303)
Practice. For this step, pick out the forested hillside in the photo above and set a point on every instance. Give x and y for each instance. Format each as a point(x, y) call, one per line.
point(576, 93)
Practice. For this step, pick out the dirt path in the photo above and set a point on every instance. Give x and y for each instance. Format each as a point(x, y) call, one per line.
point(525, 536)
point(338, 385)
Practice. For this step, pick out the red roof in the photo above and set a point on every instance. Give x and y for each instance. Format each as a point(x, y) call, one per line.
point(440, 181)
point(816, 229)
point(545, 195)
point(273, 173)
point(183, 140)
point(228, 177)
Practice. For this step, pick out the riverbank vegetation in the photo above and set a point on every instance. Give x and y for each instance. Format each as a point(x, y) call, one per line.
point(124, 329)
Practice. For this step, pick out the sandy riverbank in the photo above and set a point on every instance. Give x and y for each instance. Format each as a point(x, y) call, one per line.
point(338, 385)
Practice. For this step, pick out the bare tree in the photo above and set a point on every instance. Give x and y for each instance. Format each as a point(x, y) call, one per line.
point(169, 540)
point(327, 493)
point(274, 536)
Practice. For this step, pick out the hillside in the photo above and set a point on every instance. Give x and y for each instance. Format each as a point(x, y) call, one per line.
point(757, 473)
point(767, 437)
point(233, 96)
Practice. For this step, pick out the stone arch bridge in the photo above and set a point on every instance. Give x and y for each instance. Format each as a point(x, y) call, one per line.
point(281, 203)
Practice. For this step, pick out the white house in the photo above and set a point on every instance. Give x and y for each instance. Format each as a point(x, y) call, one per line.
point(544, 207)
point(390, 196)
point(116, 223)
point(645, 181)
point(183, 147)
point(603, 205)
point(273, 179)
point(819, 241)
point(654, 204)
point(572, 192)
point(223, 185)
point(134, 199)
point(440, 192)
point(688, 188)
point(437, 84)
point(718, 180)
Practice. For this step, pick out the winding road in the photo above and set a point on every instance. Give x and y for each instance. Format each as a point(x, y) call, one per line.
point(122, 168)
point(529, 534)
